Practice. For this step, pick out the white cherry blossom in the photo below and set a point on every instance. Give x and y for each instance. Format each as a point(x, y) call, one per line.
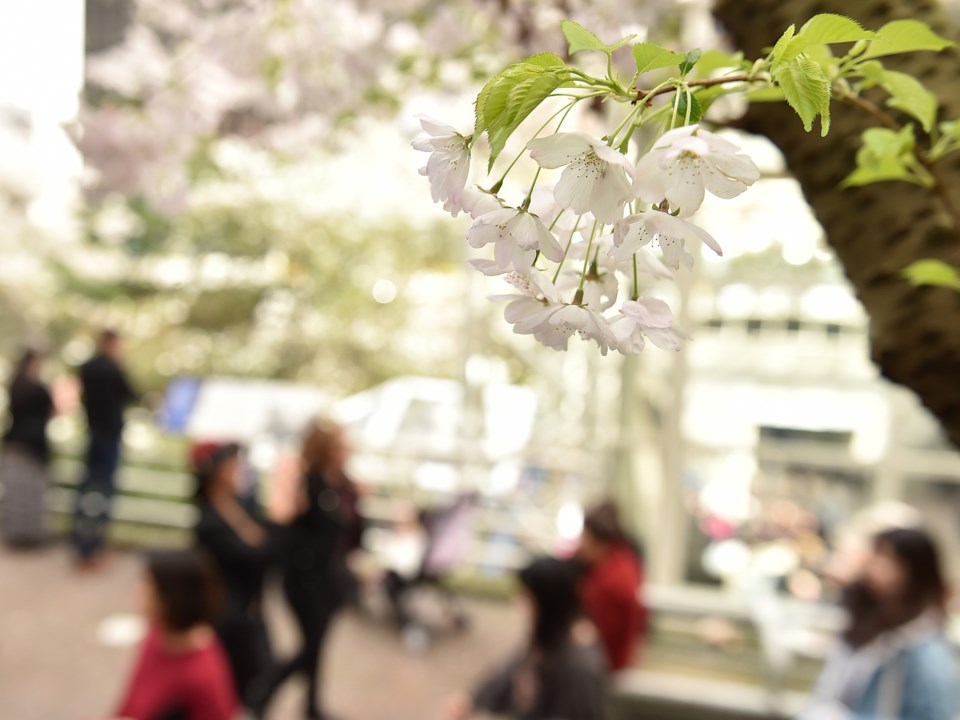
point(595, 176)
point(648, 318)
point(687, 161)
point(517, 235)
point(449, 162)
point(530, 311)
point(588, 323)
point(601, 285)
point(669, 232)
point(473, 202)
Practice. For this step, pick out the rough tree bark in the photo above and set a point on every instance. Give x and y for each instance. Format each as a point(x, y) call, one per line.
point(879, 229)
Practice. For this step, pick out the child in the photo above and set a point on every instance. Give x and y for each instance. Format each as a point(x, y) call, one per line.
point(182, 672)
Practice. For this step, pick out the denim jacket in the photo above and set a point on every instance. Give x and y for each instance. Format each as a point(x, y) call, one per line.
point(905, 674)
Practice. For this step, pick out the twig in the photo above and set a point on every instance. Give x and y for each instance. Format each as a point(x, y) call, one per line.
point(707, 82)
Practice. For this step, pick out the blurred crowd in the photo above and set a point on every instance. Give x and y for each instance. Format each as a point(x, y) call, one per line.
point(208, 653)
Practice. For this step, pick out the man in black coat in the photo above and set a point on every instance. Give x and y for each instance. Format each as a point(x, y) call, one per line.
point(106, 392)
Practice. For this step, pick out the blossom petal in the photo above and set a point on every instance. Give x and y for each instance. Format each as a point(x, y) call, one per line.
point(487, 267)
point(706, 238)
point(573, 191)
point(559, 149)
point(615, 157)
point(684, 191)
point(739, 166)
point(649, 180)
point(435, 127)
point(721, 185)
point(649, 312)
point(609, 195)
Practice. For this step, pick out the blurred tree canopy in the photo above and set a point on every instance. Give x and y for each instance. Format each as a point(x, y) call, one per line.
point(203, 122)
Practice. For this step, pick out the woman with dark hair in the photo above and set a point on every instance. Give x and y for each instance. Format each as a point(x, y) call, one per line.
point(241, 546)
point(893, 661)
point(316, 577)
point(26, 455)
point(611, 585)
point(559, 673)
point(182, 671)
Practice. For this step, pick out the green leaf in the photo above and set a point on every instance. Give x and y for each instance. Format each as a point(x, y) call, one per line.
point(818, 32)
point(873, 73)
point(909, 95)
point(828, 28)
point(777, 53)
point(620, 43)
point(689, 60)
point(932, 272)
point(649, 56)
point(950, 129)
point(509, 98)
point(902, 36)
point(491, 101)
point(885, 155)
point(949, 140)
point(807, 90)
point(696, 110)
point(767, 94)
point(713, 60)
point(579, 38)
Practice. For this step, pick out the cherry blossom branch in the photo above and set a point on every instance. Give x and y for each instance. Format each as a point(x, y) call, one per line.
point(646, 96)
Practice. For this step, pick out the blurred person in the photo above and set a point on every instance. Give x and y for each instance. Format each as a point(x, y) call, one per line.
point(894, 660)
point(559, 673)
point(241, 546)
point(182, 671)
point(105, 393)
point(317, 579)
point(611, 585)
point(24, 464)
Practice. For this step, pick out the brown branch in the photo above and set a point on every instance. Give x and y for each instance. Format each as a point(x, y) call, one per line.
point(707, 82)
point(871, 108)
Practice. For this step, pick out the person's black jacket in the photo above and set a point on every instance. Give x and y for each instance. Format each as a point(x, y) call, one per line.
point(106, 392)
point(319, 539)
point(241, 566)
point(30, 409)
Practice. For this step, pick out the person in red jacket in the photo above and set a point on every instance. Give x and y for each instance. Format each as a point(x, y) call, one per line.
point(182, 671)
point(610, 586)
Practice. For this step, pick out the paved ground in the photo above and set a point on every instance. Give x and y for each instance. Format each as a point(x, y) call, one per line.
point(57, 664)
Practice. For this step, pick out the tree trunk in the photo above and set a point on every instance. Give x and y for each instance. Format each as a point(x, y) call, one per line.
point(879, 229)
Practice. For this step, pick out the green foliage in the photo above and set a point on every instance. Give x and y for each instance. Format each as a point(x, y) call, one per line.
point(650, 56)
point(932, 272)
point(771, 93)
point(713, 60)
point(777, 53)
point(696, 109)
point(901, 36)
point(508, 98)
point(807, 90)
point(579, 39)
point(689, 60)
point(828, 28)
point(909, 95)
point(886, 155)
point(825, 29)
point(948, 141)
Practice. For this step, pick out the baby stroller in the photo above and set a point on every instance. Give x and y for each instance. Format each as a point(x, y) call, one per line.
point(420, 599)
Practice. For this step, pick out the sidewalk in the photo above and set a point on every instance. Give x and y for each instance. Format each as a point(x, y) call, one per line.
point(55, 665)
